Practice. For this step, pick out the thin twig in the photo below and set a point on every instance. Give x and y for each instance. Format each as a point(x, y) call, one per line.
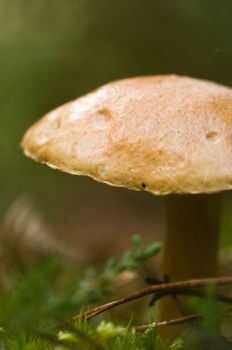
point(179, 320)
point(159, 295)
point(176, 321)
point(189, 292)
point(155, 288)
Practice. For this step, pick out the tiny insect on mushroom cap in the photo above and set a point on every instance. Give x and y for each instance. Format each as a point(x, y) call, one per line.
point(163, 134)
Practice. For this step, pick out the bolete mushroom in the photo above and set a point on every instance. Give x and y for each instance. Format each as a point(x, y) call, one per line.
point(168, 135)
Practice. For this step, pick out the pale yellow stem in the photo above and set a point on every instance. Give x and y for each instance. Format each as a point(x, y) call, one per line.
point(191, 243)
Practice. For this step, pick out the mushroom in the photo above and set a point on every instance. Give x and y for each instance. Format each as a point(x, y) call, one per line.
point(168, 135)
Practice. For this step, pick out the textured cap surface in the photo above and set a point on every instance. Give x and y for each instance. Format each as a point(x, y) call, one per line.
point(162, 134)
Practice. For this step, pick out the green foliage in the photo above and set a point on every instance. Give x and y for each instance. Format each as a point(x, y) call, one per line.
point(114, 337)
point(131, 260)
point(33, 302)
point(23, 342)
point(38, 301)
point(34, 310)
point(212, 311)
point(207, 334)
point(48, 294)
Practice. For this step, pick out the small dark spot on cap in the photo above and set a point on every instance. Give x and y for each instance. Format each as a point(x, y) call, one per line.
point(143, 185)
point(101, 118)
point(212, 136)
point(105, 112)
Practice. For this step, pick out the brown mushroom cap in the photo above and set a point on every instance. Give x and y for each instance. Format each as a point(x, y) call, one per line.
point(162, 134)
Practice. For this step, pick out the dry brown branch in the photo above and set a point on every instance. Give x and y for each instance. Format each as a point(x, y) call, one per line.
point(196, 283)
point(188, 292)
point(179, 320)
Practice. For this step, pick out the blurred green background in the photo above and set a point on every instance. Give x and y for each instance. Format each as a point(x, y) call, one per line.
point(54, 51)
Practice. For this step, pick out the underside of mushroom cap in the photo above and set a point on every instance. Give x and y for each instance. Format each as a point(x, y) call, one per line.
point(163, 134)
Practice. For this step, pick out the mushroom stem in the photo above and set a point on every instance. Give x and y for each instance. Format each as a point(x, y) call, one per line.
point(191, 245)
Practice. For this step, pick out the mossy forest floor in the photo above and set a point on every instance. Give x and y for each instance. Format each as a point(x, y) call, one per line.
point(37, 305)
